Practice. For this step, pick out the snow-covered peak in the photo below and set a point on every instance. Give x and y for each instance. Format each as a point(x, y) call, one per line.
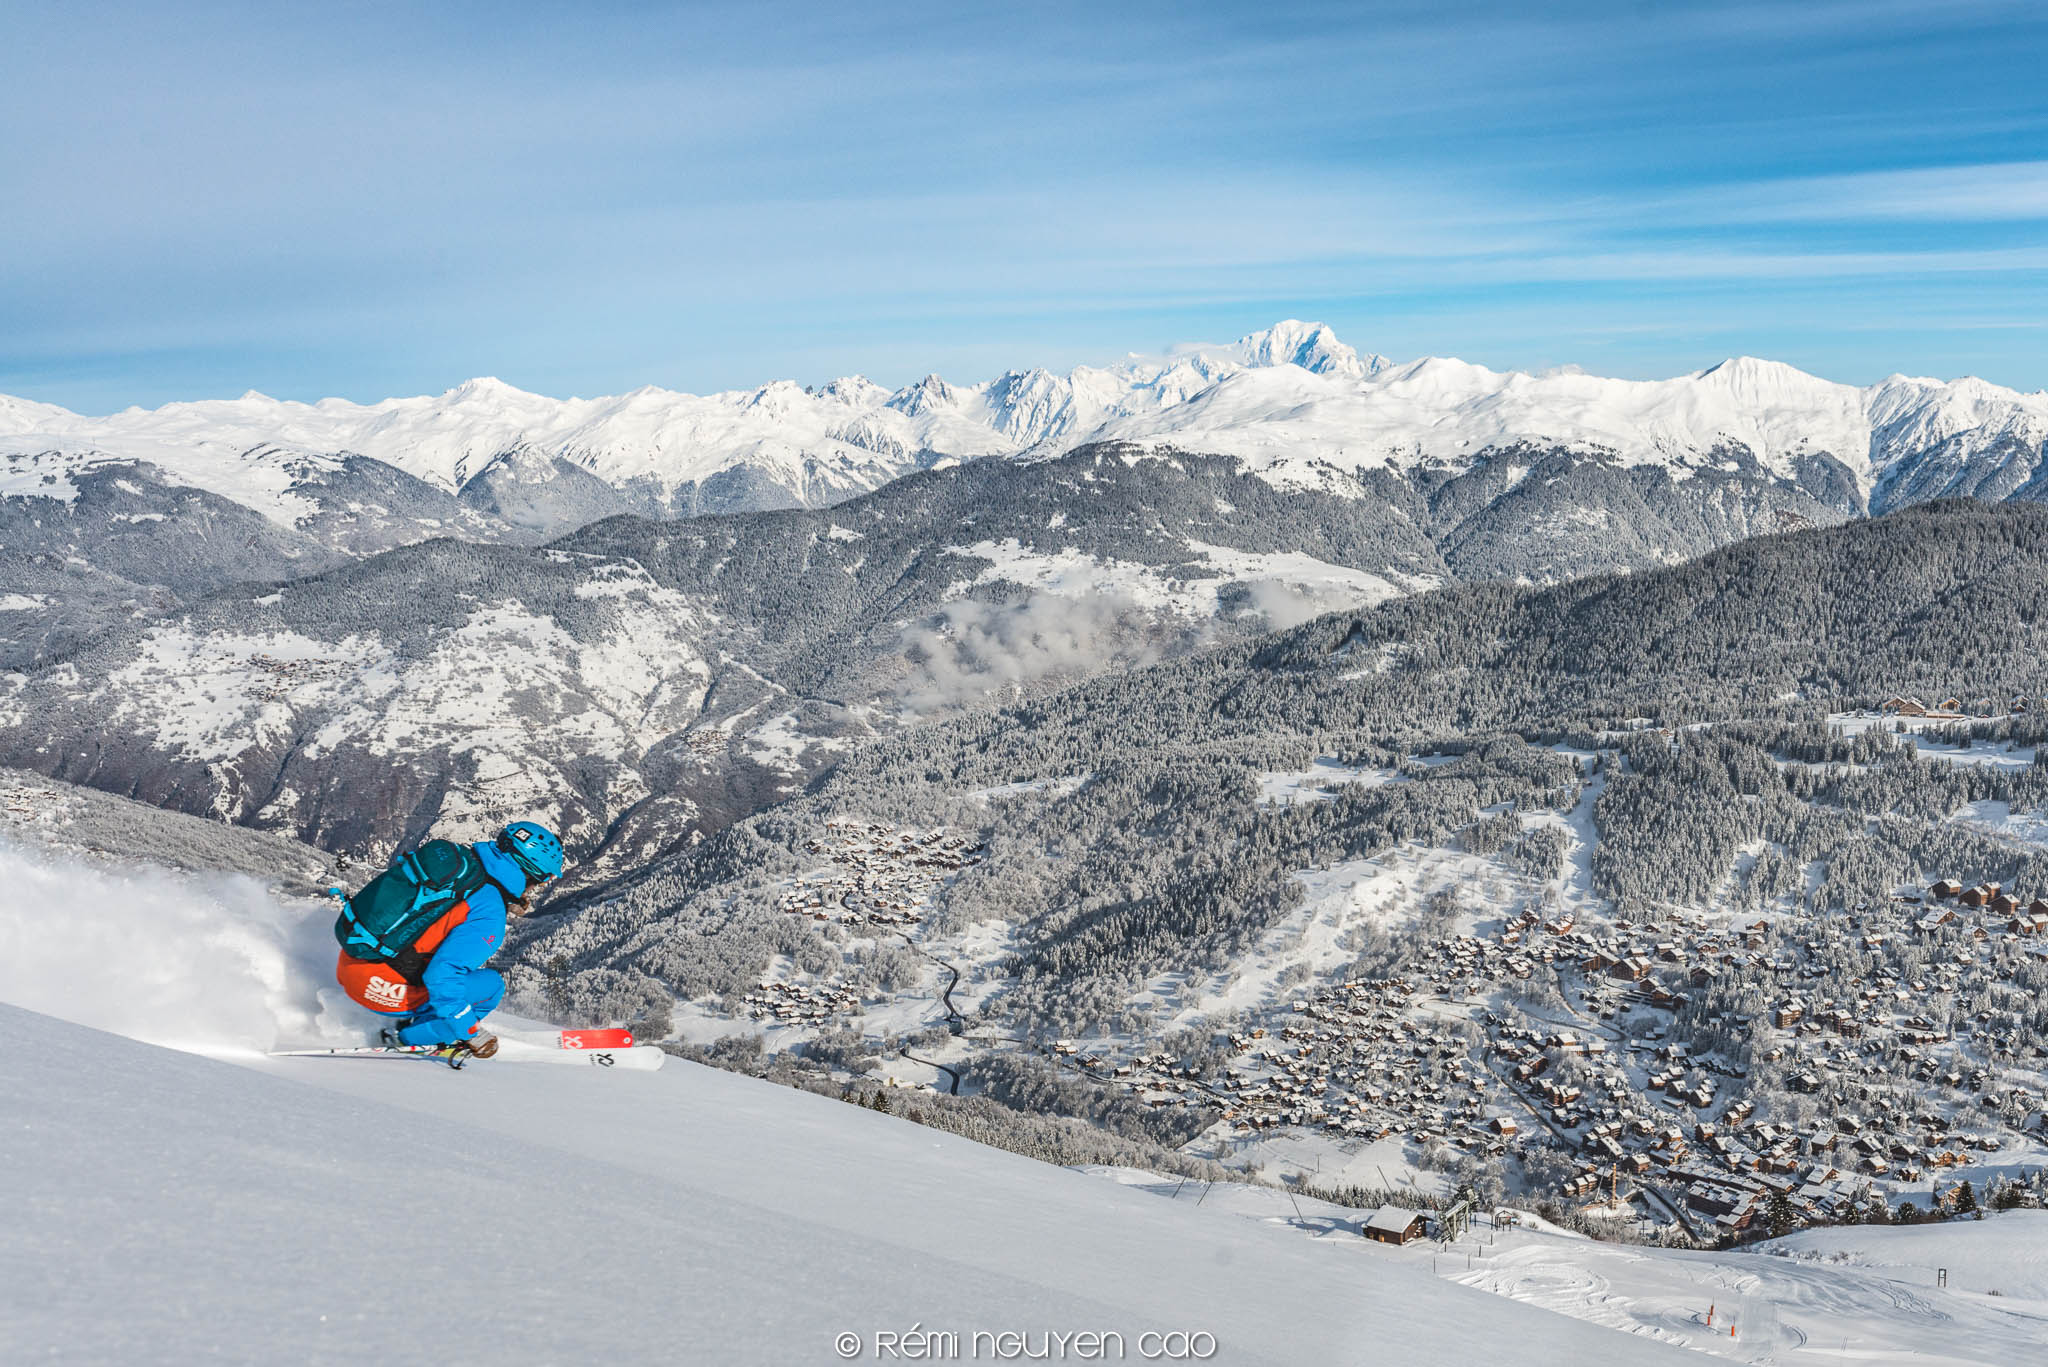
point(26, 415)
point(486, 389)
point(1289, 399)
point(855, 391)
point(921, 398)
point(1445, 378)
point(1762, 381)
point(1289, 420)
point(1312, 346)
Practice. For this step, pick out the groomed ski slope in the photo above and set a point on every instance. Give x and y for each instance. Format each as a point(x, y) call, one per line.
point(172, 1208)
point(1842, 1295)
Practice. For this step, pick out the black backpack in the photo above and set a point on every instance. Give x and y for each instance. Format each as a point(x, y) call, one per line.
point(394, 909)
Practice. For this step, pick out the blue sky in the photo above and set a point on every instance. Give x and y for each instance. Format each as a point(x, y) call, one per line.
point(370, 199)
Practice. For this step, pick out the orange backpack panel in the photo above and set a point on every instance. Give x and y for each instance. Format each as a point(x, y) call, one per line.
point(376, 986)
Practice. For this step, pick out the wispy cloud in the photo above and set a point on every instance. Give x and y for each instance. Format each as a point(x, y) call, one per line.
point(315, 201)
point(1998, 192)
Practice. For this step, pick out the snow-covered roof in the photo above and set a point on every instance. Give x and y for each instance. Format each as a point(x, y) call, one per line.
point(1392, 1220)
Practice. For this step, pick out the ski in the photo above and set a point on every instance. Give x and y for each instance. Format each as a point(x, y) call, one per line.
point(636, 1058)
point(426, 1051)
point(643, 1058)
point(597, 1039)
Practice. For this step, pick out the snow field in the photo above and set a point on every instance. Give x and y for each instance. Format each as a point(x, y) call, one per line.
point(2004, 1255)
point(1996, 754)
point(1855, 1296)
point(1318, 782)
point(1289, 588)
point(1876, 1301)
point(188, 1210)
point(1384, 891)
point(1998, 818)
point(1052, 787)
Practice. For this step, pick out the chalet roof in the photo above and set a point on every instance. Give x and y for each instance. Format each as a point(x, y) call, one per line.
point(1392, 1220)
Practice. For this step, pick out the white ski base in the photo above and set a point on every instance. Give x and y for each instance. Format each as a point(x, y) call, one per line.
point(640, 1058)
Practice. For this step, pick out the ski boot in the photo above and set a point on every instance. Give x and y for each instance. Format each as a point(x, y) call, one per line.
point(392, 1036)
point(453, 1055)
point(462, 1051)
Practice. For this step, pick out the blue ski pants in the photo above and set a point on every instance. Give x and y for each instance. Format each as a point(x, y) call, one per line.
point(481, 989)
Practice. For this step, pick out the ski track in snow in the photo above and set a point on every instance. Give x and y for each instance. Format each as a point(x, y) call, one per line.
point(1786, 1311)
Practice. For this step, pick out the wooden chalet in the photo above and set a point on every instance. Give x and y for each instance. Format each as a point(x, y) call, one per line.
point(1395, 1225)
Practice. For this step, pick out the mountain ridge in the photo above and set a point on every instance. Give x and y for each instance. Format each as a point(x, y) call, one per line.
point(1283, 400)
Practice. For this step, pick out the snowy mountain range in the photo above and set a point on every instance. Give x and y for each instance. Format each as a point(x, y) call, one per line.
point(342, 681)
point(1293, 403)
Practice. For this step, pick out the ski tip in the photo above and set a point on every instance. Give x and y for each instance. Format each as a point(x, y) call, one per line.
point(595, 1039)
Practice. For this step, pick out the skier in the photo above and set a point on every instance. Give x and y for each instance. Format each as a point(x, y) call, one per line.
point(415, 940)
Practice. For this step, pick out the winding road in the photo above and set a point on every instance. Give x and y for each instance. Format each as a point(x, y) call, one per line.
point(953, 1076)
point(953, 1016)
point(954, 1020)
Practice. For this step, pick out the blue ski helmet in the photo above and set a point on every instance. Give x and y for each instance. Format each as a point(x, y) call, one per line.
point(533, 847)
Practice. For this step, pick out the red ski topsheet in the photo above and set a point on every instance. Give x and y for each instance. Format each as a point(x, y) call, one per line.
point(597, 1039)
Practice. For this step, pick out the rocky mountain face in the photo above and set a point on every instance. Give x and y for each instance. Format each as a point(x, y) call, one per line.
point(647, 681)
point(125, 545)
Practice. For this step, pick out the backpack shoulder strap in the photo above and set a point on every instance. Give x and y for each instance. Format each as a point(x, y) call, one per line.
point(475, 875)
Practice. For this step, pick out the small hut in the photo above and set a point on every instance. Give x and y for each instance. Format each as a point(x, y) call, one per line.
point(1395, 1225)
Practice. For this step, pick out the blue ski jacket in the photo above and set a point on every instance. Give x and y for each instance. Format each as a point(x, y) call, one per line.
point(460, 990)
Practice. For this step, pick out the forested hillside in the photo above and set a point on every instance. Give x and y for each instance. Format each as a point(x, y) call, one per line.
point(1938, 600)
point(1171, 853)
point(644, 683)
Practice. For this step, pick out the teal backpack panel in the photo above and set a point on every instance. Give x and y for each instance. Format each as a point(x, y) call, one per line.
point(396, 907)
